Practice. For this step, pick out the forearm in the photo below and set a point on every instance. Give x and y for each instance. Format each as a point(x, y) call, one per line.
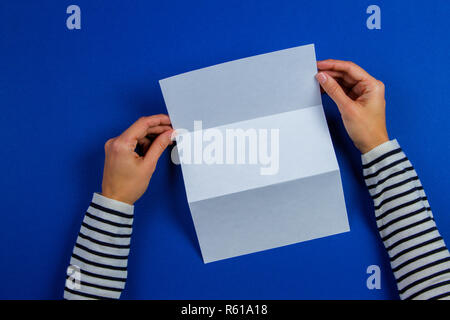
point(418, 255)
point(100, 255)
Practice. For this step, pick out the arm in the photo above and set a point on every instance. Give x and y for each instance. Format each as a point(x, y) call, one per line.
point(98, 266)
point(418, 255)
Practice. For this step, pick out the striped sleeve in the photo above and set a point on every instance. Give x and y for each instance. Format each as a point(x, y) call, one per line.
point(418, 255)
point(98, 266)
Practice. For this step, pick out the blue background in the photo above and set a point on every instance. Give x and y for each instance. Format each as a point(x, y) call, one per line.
point(63, 93)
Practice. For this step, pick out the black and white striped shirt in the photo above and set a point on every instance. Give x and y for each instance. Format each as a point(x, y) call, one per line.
point(418, 255)
point(98, 266)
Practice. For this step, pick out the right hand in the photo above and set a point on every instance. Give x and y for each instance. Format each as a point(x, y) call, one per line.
point(360, 99)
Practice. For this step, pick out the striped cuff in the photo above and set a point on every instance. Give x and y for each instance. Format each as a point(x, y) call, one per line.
point(382, 150)
point(112, 204)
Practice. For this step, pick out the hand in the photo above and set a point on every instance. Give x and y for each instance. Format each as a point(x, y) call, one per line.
point(126, 174)
point(360, 99)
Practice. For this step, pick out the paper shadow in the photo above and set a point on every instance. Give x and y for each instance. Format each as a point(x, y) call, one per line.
point(349, 159)
point(149, 101)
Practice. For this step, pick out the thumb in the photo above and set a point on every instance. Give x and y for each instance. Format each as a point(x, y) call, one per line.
point(157, 148)
point(334, 90)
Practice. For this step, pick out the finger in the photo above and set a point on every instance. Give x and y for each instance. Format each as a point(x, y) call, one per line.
point(157, 148)
point(152, 133)
point(334, 90)
point(343, 86)
point(352, 95)
point(144, 145)
point(342, 78)
point(158, 129)
point(359, 89)
point(354, 71)
point(352, 91)
point(139, 129)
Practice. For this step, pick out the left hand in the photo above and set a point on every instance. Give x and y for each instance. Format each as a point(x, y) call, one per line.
point(126, 174)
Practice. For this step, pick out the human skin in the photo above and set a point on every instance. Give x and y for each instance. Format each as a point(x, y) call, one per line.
point(126, 174)
point(358, 96)
point(360, 100)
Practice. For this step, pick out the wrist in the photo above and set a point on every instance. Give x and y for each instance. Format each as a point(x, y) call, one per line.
point(372, 144)
point(117, 197)
point(112, 204)
point(377, 152)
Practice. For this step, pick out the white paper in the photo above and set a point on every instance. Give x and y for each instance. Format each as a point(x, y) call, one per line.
point(237, 210)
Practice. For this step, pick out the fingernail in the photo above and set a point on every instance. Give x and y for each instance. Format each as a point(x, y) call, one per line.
point(321, 77)
point(173, 135)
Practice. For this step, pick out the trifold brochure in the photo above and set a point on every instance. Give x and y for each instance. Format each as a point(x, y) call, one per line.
point(258, 163)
